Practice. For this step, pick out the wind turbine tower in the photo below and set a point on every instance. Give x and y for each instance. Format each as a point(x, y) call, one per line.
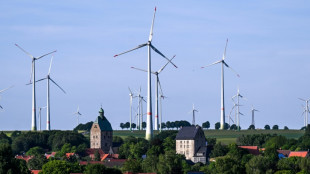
point(193, 111)
point(33, 74)
point(48, 79)
point(306, 110)
point(222, 61)
point(149, 124)
point(77, 113)
point(156, 89)
point(253, 111)
point(238, 95)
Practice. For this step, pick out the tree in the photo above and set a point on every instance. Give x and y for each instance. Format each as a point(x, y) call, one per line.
point(206, 125)
point(37, 162)
point(267, 127)
point(217, 125)
point(163, 125)
point(286, 128)
point(227, 164)
point(87, 126)
point(127, 125)
point(170, 163)
point(35, 151)
point(226, 126)
point(169, 144)
point(275, 127)
point(257, 165)
point(219, 150)
point(97, 156)
point(122, 125)
point(60, 167)
point(94, 168)
point(143, 125)
point(251, 127)
point(8, 164)
point(233, 127)
point(132, 165)
point(4, 138)
point(168, 124)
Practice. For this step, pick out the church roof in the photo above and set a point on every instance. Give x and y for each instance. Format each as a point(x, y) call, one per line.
point(104, 124)
point(188, 133)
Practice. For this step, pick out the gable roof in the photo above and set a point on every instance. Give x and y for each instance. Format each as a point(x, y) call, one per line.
point(284, 152)
point(189, 133)
point(254, 150)
point(299, 154)
point(104, 124)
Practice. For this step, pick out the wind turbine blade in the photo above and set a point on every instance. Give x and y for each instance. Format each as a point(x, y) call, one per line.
point(240, 113)
point(130, 91)
point(224, 54)
point(231, 119)
point(139, 46)
point(46, 54)
point(301, 99)
point(58, 85)
point(157, 51)
point(49, 70)
point(161, 90)
point(31, 71)
point(1, 107)
point(24, 51)
point(231, 68)
point(151, 32)
point(161, 69)
point(140, 69)
point(212, 64)
point(6, 89)
point(36, 81)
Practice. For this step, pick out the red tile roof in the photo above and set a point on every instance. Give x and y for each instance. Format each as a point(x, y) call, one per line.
point(91, 162)
point(252, 149)
point(35, 171)
point(299, 154)
point(50, 155)
point(104, 157)
point(26, 158)
point(69, 154)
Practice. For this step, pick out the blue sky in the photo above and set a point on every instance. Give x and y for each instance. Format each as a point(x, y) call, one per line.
point(269, 46)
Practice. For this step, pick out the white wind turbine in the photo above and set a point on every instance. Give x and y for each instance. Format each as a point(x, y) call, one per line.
point(40, 116)
point(156, 73)
point(161, 96)
point(222, 85)
point(33, 75)
point(149, 124)
point(306, 110)
point(48, 79)
point(253, 110)
point(3, 91)
point(193, 112)
point(131, 95)
point(238, 95)
point(77, 113)
point(140, 109)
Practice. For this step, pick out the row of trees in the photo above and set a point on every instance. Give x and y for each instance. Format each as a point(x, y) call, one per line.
point(168, 125)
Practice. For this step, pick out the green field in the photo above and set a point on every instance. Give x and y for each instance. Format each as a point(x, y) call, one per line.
point(224, 136)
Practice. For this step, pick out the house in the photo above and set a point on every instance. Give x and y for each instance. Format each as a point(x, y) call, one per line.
point(303, 154)
point(50, 155)
point(283, 153)
point(254, 150)
point(26, 158)
point(91, 153)
point(191, 142)
point(35, 171)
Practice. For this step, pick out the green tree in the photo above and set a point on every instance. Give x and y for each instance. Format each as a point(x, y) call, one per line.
point(60, 167)
point(289, 164)
point(219, 150)
point(132, 165)
point(37, 162)
point(251, 127)
point(8, 164)
point(170, 163)
point(127, 125)
point(267, 127)
point(133, 126)
point(97, 156)
point(87, 126)
point(94, 169)
point(143, 125)
point(35, 151)
point(149, 164)
point(227, 164)
point(286, 128)
point(217, 125)
point(122, 125)
point(257, 165)
point(233, 127)
point(169, 144)
point(275, 127)
point(4, 138)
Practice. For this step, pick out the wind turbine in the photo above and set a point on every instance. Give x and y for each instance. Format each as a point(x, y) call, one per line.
point(3, 91)
point(78, 114)
point(238, 95)
point(222, 61)
point(161, 96)
point(253, 110)
point(48, 79)
point(193, 111)
point(156, 73)
point(33, 73)
point(306, 110)
point(131, 95)
point(40, 116)
point(149, 124)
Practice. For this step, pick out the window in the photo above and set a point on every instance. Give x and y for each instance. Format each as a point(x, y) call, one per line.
point(96, 136)
point(95, 126)
point(187, 146)
point(187, 152)
point(187, 141)
point(105, 144)
point(181, 142)
point(180, 146)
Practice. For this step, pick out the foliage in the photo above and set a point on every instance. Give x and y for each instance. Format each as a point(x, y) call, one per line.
point(8, 164)
point(66, 148)
point(233, 127)
point(60, 167)
point(170, 163)
point(100, 169)
point(211, 141)
point(206, 125)
point(87, 126)
point(169, 144)
point(133, 148)
point(217, 125)
point(57, 139)
point(133, 125)
point(253, 140)
point(122, 125)
point(267, 127)
point(228, 164)
point(289, 164)
point(275, 127)
point(251, 127)
point(258, 165)
point(219, 150)
point(4, 138)
point(286, 128)
point(35, 151)
point(97, 156)
point(132, 165)
point(37, 162)
point(164, 134)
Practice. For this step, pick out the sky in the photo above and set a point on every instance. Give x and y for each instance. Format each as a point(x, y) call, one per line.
point(269, 46)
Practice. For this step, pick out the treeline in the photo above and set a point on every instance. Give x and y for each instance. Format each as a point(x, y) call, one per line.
point(50, 140)
point(167, 126)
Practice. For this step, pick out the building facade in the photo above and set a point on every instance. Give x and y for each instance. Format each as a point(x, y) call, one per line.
point(191, 142)
point(101, 133)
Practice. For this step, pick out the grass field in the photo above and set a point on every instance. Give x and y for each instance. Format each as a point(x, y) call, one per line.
point(223, 136)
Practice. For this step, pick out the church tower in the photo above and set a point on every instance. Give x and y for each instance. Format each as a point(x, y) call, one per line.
point(101, 133)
